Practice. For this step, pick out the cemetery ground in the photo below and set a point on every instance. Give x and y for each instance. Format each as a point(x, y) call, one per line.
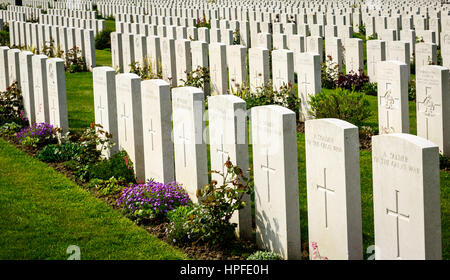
point(81, 114)
point(60, 203)
point(42, 213)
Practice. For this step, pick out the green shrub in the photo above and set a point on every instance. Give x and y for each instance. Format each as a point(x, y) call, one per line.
point(103, 40)
point(92, 143)
point(264, 256)
point(10, 129)
point(266, 95)
point(197, 78)
point(178, 232)
point(75, 61)
point(119, 165)
point(4, 37)
point(330, 73)
point(444, 162)
point(342, 104)
point(209, 221)
point(146, 69)
point(362, 29)
point(112, 186)
point(370, 88)
point(59, 153)
point(11, 105)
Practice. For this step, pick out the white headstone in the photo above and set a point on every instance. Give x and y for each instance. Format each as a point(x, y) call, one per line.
point(129, 121)
point(105, 105)
point(433, 106)
point(157, 124)
point(229, 139)
point(40, 88)
point(276, 180)
point(392, 79)
point(190, 145)
point(57, 100)
point(406, 197)
point(333, 188)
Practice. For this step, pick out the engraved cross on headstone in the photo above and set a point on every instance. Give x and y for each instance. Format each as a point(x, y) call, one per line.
point(305, 83)
point(268, 170)
point(224, 154)
point(53, 109)
point(388, 102)
point(124, 117)
point(279, 79)
point(100, 107)
point(396, 213)
point(428, 107)
point(152, 132)
point(185, 139)
point(325, 191)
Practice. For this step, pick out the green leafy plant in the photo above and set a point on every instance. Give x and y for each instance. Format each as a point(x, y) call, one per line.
point(264, 256)
point(118, 165)
point(103, 40)
point(236, 37)
point(49, 49)
point(370, 88)
point(342, 104)
point(146, 70)
point(444, 162)
point(59, 152)
point(4, 35)
point(209, 221)
point(10, 129)
point(197, 78)
point(266, 95)
point(329, 73)
point(111, 187)
point(92, 143)
point(203, 22)
point(373, 37)
point(75, 61)
point(11, 105)
point(362, 29)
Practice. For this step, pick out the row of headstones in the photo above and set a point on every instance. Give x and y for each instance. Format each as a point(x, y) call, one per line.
point(108, 10)
point(227, 64)
point(164, 133)
point(254, 27)
point(73, 4)
point(432, 105)
point(180, 56)
point(266, 14)
point(42, 81)
point(34, 35)
point(95, 24)
point(40, 4)
point(30, 13)
point(342, 31)
point(73, 13)
point(10, 15)
point(189, 55)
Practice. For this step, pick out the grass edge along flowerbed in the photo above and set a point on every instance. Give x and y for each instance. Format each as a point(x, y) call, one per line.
point(42, 213)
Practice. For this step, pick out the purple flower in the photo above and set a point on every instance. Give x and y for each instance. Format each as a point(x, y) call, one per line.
point(154, 196)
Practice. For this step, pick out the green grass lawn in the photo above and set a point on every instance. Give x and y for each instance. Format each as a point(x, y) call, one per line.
point(42, 213)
